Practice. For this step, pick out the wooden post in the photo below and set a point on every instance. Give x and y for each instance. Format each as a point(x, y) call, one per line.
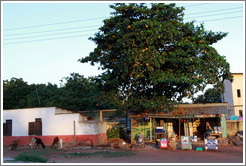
point(126, 119)
point(179, 130)
point(151, 129)
point(131, 130)
point(101, 116)
point(154, 128)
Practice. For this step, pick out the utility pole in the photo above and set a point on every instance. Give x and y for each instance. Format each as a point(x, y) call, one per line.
point(37, 96)
point(74, 133)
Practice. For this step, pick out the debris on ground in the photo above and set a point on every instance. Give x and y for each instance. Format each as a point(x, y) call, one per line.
point(237, 139)
point(118, 143)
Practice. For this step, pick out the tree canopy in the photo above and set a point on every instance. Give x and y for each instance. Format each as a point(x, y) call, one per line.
point(211, 95)
point(77, 93)
point(153, 58)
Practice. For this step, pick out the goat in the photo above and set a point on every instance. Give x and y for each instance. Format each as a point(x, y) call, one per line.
point(57, 143)
point(32, 143)
point(37, 141)
point(14, 145)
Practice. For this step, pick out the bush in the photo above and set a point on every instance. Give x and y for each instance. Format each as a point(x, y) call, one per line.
point(115, 132)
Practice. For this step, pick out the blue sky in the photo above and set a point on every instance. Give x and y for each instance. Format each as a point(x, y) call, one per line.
point(42, 42)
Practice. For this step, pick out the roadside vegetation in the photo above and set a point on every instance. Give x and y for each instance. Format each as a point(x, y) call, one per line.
point(37, 155)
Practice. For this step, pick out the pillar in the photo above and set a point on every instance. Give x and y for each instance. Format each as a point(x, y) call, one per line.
point(223, 126)
point(101, 117)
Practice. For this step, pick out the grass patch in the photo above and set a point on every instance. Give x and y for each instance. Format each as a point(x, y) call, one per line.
point(30, 158)
point(105, 154)
point(34, 155)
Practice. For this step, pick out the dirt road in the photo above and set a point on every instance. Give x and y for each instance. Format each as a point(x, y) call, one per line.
point(149, 154)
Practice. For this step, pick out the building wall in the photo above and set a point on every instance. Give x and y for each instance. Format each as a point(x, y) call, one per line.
point(237, 84)
point(55, 122)
point(233, 126)
point(230, 96)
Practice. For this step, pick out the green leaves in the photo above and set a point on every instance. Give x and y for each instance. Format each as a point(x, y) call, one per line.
point(150, 53)
point(76, 93)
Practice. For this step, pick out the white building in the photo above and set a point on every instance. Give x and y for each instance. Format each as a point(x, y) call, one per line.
point(49, 122)
point(233, 95)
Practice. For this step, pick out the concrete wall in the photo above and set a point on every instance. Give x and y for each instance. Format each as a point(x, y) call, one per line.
point(233, 126)
point(61, 124)
point(55, 122)
point(91, 127)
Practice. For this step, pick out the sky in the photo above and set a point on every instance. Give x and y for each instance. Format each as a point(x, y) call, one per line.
point(42, 42)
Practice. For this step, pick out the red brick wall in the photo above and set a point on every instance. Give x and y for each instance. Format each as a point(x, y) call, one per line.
point(99, 139)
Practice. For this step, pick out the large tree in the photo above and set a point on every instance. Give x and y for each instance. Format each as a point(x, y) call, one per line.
point(15, 93)
point(153, 58)
point(81, 94)
point(77, 93)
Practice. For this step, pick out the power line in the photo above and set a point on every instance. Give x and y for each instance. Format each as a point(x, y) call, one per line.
point(66, 22)
point(220, 19)
point(57, 23)
point(85, 30)
point(214, 14)
point(92, 34)
point(91, 19)
point(53, 34)
point(51, 30)
point(215, 10)
point(196, 5)
point(28, 41)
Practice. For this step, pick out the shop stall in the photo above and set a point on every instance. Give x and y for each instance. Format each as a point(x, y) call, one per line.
point(194, 120)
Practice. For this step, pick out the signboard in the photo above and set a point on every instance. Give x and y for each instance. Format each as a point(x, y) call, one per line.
point(211, 144)
point(194, 139)
point(185, 142)
point(164, 143)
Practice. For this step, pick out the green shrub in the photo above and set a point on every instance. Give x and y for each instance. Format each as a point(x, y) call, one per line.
point(115, 132)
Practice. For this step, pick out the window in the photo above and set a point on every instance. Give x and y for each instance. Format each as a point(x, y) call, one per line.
point(240, 112)
point(7, 128)
point(35, 128)
point(238, 93)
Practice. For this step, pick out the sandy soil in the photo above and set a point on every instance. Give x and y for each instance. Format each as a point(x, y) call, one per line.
point(149, 154)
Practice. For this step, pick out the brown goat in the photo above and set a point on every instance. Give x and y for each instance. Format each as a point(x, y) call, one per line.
point(14, 145)
point(55, 143)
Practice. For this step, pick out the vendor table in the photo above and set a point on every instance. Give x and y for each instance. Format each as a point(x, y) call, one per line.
point(216, 135)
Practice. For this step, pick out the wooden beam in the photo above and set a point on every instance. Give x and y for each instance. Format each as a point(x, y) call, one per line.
point(100, 110)
point(108, 110)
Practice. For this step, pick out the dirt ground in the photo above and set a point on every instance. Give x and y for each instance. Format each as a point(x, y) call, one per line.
point(149, 154)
